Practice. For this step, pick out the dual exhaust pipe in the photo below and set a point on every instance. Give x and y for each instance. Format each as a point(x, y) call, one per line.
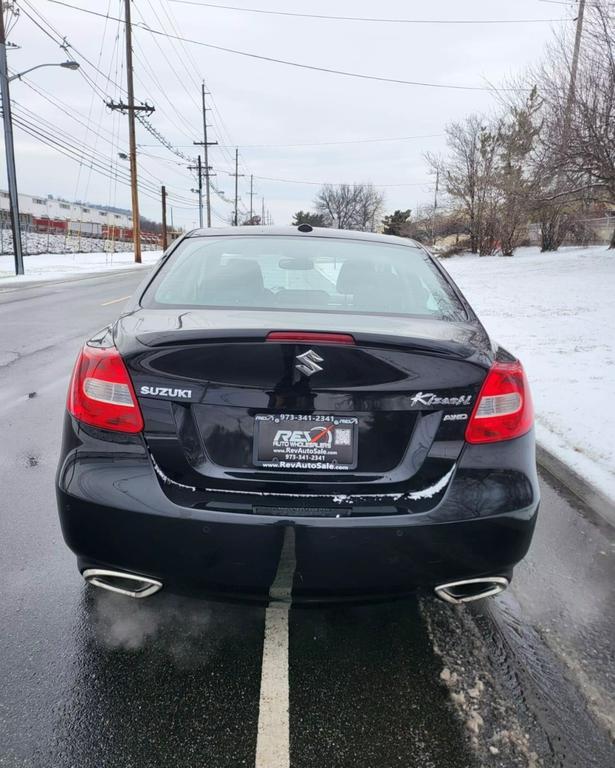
point(468, 590)
point(132, 585)
point(121, 583)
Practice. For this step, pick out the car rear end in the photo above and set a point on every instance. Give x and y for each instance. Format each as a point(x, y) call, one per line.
point(266, 386)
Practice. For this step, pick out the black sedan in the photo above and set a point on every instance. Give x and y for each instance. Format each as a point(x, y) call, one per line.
point(331, 384)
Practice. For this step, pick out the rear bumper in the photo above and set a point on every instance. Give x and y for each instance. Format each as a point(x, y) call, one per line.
point(115, 514)
point(201, 556)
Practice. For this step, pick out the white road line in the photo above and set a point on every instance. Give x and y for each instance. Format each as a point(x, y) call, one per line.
point(273, 737)
point(272, 741)
point(114, 301)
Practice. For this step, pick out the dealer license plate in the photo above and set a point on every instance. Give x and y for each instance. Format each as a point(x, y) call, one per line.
point(305, 442)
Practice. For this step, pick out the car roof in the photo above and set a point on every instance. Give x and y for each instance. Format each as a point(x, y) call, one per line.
point(337, 234)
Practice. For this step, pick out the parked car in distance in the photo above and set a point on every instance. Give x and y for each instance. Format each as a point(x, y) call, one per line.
point(326, 388)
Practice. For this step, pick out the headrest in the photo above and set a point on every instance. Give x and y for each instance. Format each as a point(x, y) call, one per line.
point(354, 276)
point(238, 275)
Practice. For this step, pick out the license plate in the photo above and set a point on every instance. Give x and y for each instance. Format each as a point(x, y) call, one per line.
point(316, 443)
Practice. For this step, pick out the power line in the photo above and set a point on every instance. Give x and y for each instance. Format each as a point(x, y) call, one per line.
point(370, 19)
point(338, 142)
point(332, 183)
point(90, 155)
point(53, 34)
point(76, 156)
point(142, 60)
point(72, 153)
point(48, 29)
point(198, 80)
point(218, 121)
point(181, 59)
point(297, 65)
point(163, 141)
point(574, 2)
point(88, 123)
point(345, 141)
point(143, 25)
point(71, 112)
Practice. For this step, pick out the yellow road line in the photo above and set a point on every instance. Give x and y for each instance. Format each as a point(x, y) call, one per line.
point(114, 301)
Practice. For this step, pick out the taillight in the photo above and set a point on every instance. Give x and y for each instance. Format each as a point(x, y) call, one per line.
point(101, 393)
point(504, 406)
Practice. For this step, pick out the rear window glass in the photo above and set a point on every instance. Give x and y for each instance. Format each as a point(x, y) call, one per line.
point(304, 274)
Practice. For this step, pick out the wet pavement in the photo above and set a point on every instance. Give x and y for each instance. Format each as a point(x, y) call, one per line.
point(93, 679)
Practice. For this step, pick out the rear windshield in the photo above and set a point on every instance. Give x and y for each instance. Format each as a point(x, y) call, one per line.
point(305, 274)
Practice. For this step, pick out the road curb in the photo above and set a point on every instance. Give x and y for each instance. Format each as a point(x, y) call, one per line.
point(577, 485)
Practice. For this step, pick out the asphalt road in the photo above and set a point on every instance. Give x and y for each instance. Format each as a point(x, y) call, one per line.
point(92, 679)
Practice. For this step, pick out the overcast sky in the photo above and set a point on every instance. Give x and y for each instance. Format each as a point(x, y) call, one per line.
point(259, 102)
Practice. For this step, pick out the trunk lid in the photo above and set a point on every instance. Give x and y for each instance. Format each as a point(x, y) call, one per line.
point(205, 379)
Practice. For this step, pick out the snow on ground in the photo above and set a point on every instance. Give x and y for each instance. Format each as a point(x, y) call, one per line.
point(39, 242)
point(556, 312)
point(52, 266)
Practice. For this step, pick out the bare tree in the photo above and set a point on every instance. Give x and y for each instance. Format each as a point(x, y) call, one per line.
point(590, 149)
point(369, 208)
point(575, 161)
point(553, 204)
point(350, 206)
point(469, 172)
point(549, 153)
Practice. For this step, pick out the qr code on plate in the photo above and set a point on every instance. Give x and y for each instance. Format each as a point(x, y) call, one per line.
point(343, 436)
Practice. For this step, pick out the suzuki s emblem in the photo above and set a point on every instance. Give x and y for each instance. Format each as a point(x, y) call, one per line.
point(307, 363)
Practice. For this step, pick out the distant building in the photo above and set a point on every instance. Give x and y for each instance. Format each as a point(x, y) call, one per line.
point(55, 214)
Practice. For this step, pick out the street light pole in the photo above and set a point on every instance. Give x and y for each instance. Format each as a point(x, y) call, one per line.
point(10, 149)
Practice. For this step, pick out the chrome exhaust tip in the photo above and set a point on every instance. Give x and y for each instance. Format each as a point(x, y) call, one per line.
point(467, 590)
point(121, 583)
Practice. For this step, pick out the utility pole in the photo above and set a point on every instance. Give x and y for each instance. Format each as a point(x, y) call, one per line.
point(136, 221)
point(206, 144)
point(574, 66)
point(435, 208)
point(263, 210)
point(199, 169)
point(10, 149)
point(206, 151)
point(236, 182)
point(130, 108)
point(236, 175)
point(165, 238)
point(251, 196)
